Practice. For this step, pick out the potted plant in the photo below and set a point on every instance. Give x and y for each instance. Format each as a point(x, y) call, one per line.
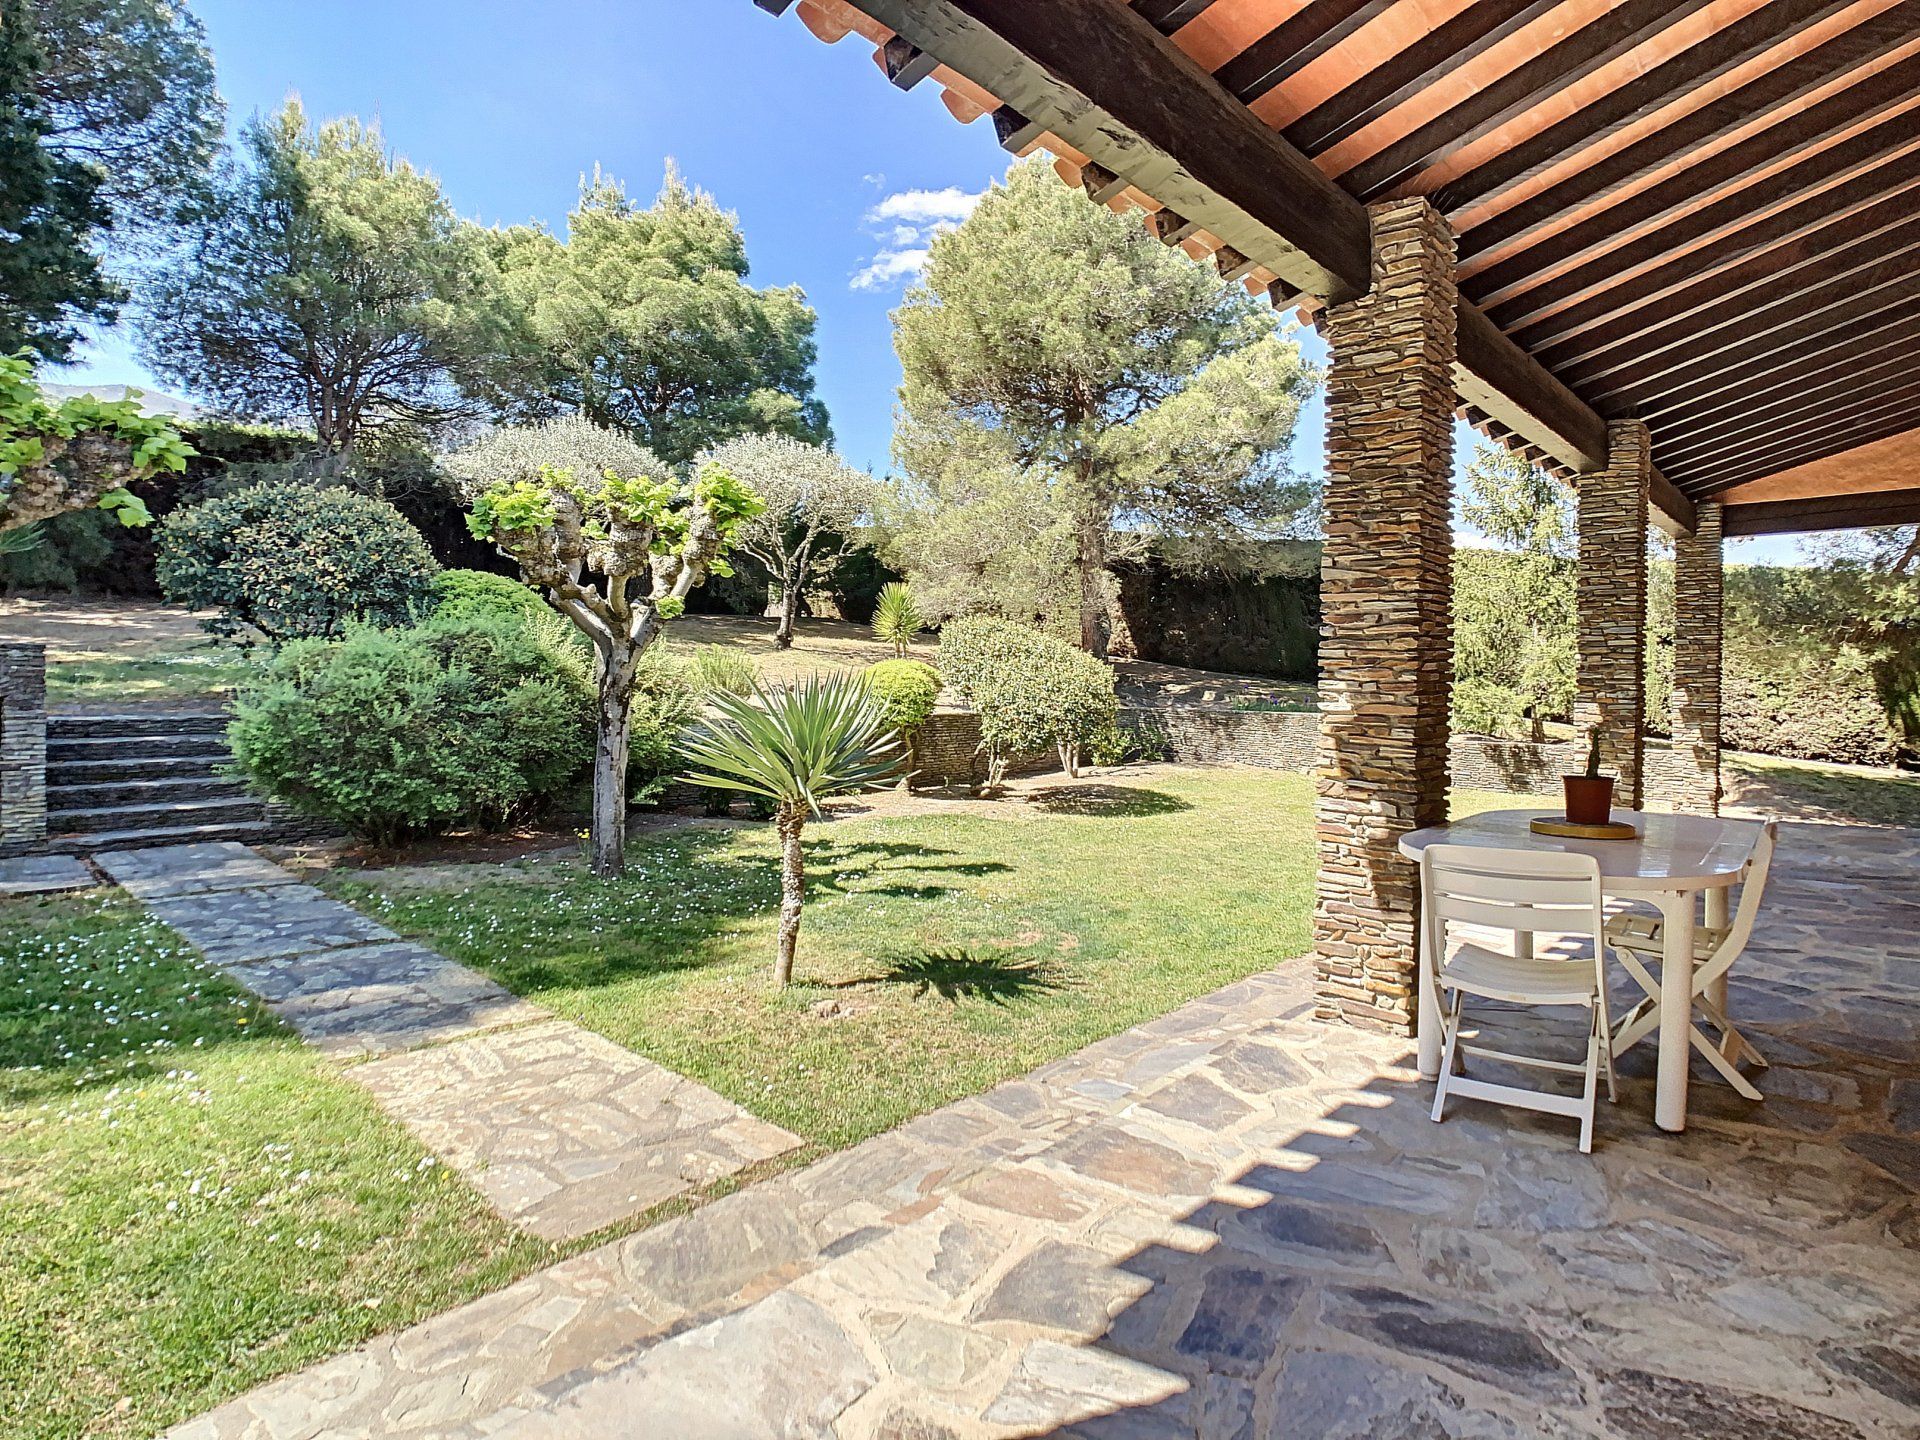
point(1590, 796)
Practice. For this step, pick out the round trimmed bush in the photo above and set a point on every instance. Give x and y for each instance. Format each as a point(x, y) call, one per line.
point(293, 561)
point(1032, 691)
point(391, 733)
point(906, 690)
point(462, 594)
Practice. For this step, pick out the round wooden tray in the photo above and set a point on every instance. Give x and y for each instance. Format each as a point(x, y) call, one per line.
point(1554, 825)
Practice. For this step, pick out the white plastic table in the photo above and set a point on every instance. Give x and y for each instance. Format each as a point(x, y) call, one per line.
point(1671, 860)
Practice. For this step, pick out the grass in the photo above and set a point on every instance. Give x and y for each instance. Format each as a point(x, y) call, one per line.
point(206, 670)
point(1809, 789)
point(939, 954)
point(190, 1201)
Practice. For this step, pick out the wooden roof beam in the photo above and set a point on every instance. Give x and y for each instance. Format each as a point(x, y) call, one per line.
point(1788, 517)
point(1874, 468)
point(1103, 79)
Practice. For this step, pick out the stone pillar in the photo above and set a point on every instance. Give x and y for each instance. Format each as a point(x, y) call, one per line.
point(1697, 614)
point(1386, 597)
point(1612, 597)
point(23, 747)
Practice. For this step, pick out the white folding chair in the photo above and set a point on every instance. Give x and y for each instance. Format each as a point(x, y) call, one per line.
point(1638, 939)
point(1522, 892)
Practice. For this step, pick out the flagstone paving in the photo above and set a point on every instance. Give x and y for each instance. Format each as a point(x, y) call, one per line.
point(564, 1132)
point(43, 874)
point(1234, 1223)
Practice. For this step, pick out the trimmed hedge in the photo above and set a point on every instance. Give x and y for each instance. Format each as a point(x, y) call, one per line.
point(393, 733)
point(463, 594)
point(294, 562)
point(905, 689)
point(1032, 691)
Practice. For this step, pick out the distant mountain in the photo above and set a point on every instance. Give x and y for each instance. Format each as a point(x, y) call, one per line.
point(152, 402)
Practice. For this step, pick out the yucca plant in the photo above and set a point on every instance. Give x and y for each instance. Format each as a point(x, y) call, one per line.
point(794, 747)
point(896, 617)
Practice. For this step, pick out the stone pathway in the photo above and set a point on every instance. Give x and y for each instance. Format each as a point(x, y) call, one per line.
point(43, 874)
point(564, 1132)
point(1233, 1223)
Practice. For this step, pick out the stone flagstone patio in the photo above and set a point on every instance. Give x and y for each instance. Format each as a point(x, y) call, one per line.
point(1235, 1223)
point(564, 1132)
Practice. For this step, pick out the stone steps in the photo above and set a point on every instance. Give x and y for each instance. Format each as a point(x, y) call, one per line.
point(137, 769)
point(165, 790)
point(161, 722)
point(118, 782)
point(250, 832)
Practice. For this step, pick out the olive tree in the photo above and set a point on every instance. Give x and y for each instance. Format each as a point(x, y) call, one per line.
point(615, 544)
point(815, 505)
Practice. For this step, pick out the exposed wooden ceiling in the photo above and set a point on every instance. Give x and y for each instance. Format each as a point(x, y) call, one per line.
point(1701, 213)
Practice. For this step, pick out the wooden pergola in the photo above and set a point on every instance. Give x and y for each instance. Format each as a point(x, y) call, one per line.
point(1669, 249)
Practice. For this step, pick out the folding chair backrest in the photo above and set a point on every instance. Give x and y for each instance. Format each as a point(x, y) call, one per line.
point(1526, 891)
point(1753, 887)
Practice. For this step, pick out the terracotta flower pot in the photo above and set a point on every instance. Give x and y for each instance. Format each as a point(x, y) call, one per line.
point(1589, 798)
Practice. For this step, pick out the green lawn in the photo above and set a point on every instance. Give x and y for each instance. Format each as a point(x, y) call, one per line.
point(940, 954)
point(204, 670)
point(191, 1201)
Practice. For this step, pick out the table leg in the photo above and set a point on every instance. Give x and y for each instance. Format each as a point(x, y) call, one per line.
point(1429, 1036)
point(1716, 919)
point(1676, 1011)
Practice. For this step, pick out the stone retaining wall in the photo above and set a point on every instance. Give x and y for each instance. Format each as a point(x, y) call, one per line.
point(1284, 740)
point(23, 746)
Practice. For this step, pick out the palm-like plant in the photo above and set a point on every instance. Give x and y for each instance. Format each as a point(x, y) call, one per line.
point(896, 617)
point(794, 747)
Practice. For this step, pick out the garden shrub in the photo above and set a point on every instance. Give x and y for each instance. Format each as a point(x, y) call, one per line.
point(906, 691)
point(1031, 690)
point(462, 594)
point(720, 671)
point(392, 733)
point(293, 561)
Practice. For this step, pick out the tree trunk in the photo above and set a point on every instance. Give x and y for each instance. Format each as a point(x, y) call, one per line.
point(788, 821)
point(609, 830)
point(789, 612)
point(1091, 562)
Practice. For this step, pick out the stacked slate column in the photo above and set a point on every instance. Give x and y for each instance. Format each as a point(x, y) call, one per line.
point(1698, 599)
point(1612, 601)
point(23, 747)
point(1386, 583)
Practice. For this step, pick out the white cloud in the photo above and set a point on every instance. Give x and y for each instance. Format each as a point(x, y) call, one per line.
point(902, 225)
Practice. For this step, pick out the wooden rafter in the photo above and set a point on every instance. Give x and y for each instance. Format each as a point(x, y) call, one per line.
point(1772, 93)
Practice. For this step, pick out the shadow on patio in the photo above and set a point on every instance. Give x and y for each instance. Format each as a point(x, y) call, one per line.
point(1234, 1222)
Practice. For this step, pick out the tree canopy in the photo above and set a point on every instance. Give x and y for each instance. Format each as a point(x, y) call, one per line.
point(329, 283)
point(51, 213)
point(127, 87)
point(642, 320)
point(1064, 367)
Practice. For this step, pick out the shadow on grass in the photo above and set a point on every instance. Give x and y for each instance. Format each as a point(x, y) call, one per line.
point(1107, 800)
point(681, 907)
point(996, 976)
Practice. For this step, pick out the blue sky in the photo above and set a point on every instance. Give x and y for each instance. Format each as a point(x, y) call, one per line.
point(836, 176)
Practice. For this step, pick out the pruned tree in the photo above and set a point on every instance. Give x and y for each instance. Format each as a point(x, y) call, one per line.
point(78, 453)
point(1061, 362)
point(615, 544)
point(331, 284)
point(816, 508)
